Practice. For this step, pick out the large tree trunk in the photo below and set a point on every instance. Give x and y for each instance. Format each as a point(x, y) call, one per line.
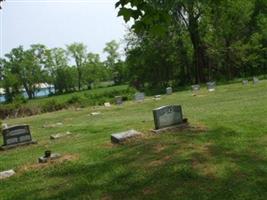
point(198, 47)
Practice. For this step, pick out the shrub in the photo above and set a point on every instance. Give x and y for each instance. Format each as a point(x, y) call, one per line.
point(52, 105)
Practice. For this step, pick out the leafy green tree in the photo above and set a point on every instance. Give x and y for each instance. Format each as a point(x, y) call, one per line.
point(79, 54)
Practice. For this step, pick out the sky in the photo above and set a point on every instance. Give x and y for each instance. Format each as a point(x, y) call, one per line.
point(56, 23)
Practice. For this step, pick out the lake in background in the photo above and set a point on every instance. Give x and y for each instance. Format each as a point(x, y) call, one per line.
point(44, 92)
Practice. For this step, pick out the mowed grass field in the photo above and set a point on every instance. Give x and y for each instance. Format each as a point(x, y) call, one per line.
point(224, 157)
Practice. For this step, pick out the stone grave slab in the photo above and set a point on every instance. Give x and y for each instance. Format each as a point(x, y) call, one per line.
point(157, 97)
point(45, 159)
point(168, 117)
point(53, 125)
point(7, 174)
point(60, 135)
point(139, 96)
point(95, 113)
point(123, 136)
point(169, 90)
point(18, 135)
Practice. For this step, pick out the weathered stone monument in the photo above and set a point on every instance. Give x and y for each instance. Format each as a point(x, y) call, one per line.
point(123, 136)
point(168, 117)
point(245, 82)
point(255, 80)
point(118, 100)
point(169, 90)
point(211, 86)
point(139, 96)
point(14, 136)
point(195, 89)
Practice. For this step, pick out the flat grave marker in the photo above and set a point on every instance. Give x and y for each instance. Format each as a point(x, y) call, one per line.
point(60, 135)
point(48, 156)
point(18, 135)
point(168, 117)
point(123, 136)
point(7, 174)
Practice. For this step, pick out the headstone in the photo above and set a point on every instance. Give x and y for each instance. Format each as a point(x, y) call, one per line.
point(211, 86)
point(118, 100)
point(48, 157)
point(16, 135)
point(157, 97)
point(245, 82)
point(255, 80)
point(139, 96)
point(59, 135)
point(121, 137)
point(107, 104)
point(168, 116)
point(95, 113)
point(7, 174)
point(195, 89)
point(169, 90)
point(53, 125)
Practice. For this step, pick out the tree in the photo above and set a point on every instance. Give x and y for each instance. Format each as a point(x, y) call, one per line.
point(78, 52)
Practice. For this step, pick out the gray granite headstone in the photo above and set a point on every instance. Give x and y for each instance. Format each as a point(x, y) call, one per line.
point(169, 90)
point(211, 86)
point(195, 89)
point(255, 80)
point(167, 116)
point(16, 135)
point(245, 82)
point(139, 96)
point(122, 136)
point(118, 100)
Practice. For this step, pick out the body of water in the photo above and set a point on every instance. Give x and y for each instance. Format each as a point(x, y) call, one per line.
point(44, 92)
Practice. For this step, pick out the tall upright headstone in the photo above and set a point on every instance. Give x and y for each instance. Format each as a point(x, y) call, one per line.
point(168, 116)
point(169, 90)
point(14, 136)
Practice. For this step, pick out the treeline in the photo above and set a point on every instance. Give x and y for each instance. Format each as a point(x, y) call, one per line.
point(179, 42)
point(69, 69)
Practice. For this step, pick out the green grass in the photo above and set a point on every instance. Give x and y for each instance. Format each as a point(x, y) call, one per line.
point(227, 161)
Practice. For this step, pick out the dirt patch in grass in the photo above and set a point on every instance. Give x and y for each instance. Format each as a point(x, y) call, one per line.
point(36, 166)
point(148, 191)
point(159, 162)
point(159, 148)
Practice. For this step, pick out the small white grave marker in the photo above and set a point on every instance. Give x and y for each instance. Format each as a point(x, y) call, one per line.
point(7, 174)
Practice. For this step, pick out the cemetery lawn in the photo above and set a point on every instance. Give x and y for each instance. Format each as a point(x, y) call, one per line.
point(225, 157)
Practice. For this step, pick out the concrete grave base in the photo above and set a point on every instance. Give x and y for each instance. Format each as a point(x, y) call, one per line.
point(53, 156)
point(123, 136)
point(183, 125)
point(7, 174)
point(6, 147)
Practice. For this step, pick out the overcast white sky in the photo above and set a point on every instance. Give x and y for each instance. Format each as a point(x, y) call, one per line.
point(56, 23)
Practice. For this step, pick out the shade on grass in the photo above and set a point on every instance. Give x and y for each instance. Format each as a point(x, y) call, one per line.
point(226, 161)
